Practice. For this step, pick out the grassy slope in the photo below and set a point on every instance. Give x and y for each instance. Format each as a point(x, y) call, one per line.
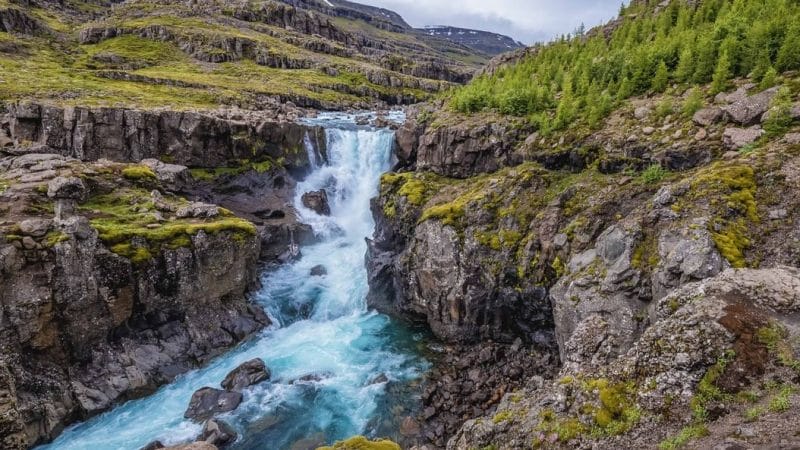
point(53, 66)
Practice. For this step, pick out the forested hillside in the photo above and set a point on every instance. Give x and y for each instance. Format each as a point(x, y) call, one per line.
point(583, 78)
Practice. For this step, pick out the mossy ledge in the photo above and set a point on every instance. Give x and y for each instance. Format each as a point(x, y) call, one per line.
point(129, 223)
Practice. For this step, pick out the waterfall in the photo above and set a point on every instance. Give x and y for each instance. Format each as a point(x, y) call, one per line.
point(326, 350)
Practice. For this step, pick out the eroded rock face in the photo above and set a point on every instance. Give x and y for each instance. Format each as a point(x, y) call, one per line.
point(183, 137)
point(477, 145)
point(665, 362)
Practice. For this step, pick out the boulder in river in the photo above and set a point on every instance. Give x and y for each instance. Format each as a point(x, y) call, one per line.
point(218, 433)
point(319, 271)
point(208, 402)
point(250, 373)
point(317, 201)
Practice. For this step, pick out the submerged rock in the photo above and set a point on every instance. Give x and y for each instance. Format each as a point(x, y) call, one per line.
point(318, 271)
point(208, 402)
point(250, 373)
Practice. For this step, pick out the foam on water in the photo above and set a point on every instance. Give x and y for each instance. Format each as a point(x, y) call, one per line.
point(322, 328)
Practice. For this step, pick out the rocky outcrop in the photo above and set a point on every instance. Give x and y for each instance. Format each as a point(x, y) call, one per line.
point(666, 362)
point(186, 138)
point(469, 147)
point(91, 318)
point(13, 20)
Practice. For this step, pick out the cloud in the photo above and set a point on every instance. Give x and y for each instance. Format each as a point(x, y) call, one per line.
point(526, 20)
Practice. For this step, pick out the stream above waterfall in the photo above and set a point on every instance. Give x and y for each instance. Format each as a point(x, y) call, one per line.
point(338, 369)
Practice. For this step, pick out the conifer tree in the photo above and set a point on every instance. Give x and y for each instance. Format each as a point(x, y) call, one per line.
point(789, 53)
point(722, 74)
point(661, 78)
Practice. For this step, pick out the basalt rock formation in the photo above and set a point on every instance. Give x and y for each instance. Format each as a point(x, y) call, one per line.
point(106, 292)
point(566, 244)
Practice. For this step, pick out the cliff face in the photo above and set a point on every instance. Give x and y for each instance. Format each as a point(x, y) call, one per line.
point(189, 138)
point(97, 310)
point(567, 244)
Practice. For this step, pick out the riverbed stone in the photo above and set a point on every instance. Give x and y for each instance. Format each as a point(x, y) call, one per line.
point(246, 375)
point(208, 402)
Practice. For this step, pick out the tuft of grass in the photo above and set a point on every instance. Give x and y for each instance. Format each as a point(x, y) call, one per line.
point(654, 174)
point(684, 436)
point(782, 402)
point(753, 413)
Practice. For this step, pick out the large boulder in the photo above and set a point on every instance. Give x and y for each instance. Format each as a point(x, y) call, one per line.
point(736, 138)
point(173, 176)
point(317, 201)
point(209, 402)
point(249, 373)
point(748, 111)
point(708, 116)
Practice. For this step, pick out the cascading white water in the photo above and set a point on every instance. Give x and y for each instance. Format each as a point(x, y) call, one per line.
point(322, 329)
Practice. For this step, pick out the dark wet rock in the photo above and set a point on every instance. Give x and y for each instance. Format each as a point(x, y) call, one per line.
point(248, 374)
point(382, 378)
point(317, 201)
point(218, 433)
point(155, 445)
point(318, 271)
point(312, 378)
point(209, 402)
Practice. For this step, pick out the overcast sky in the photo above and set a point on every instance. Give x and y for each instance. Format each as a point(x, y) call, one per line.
point(528, 21)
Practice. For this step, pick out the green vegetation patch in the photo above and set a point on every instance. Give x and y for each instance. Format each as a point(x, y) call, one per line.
point(126, 222)
point(362, 443)
point(212, 174)
point(137, 173)
point(730, 190)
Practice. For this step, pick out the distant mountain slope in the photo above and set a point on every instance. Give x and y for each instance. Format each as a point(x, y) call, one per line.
point(483, 41)
point(327, 54)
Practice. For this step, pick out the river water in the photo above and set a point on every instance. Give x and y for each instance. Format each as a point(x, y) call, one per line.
point(322, 328)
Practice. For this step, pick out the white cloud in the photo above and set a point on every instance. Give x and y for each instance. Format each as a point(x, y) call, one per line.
point(526, 20)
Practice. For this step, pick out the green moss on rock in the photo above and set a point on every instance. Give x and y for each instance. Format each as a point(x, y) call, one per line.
point(362, 443)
